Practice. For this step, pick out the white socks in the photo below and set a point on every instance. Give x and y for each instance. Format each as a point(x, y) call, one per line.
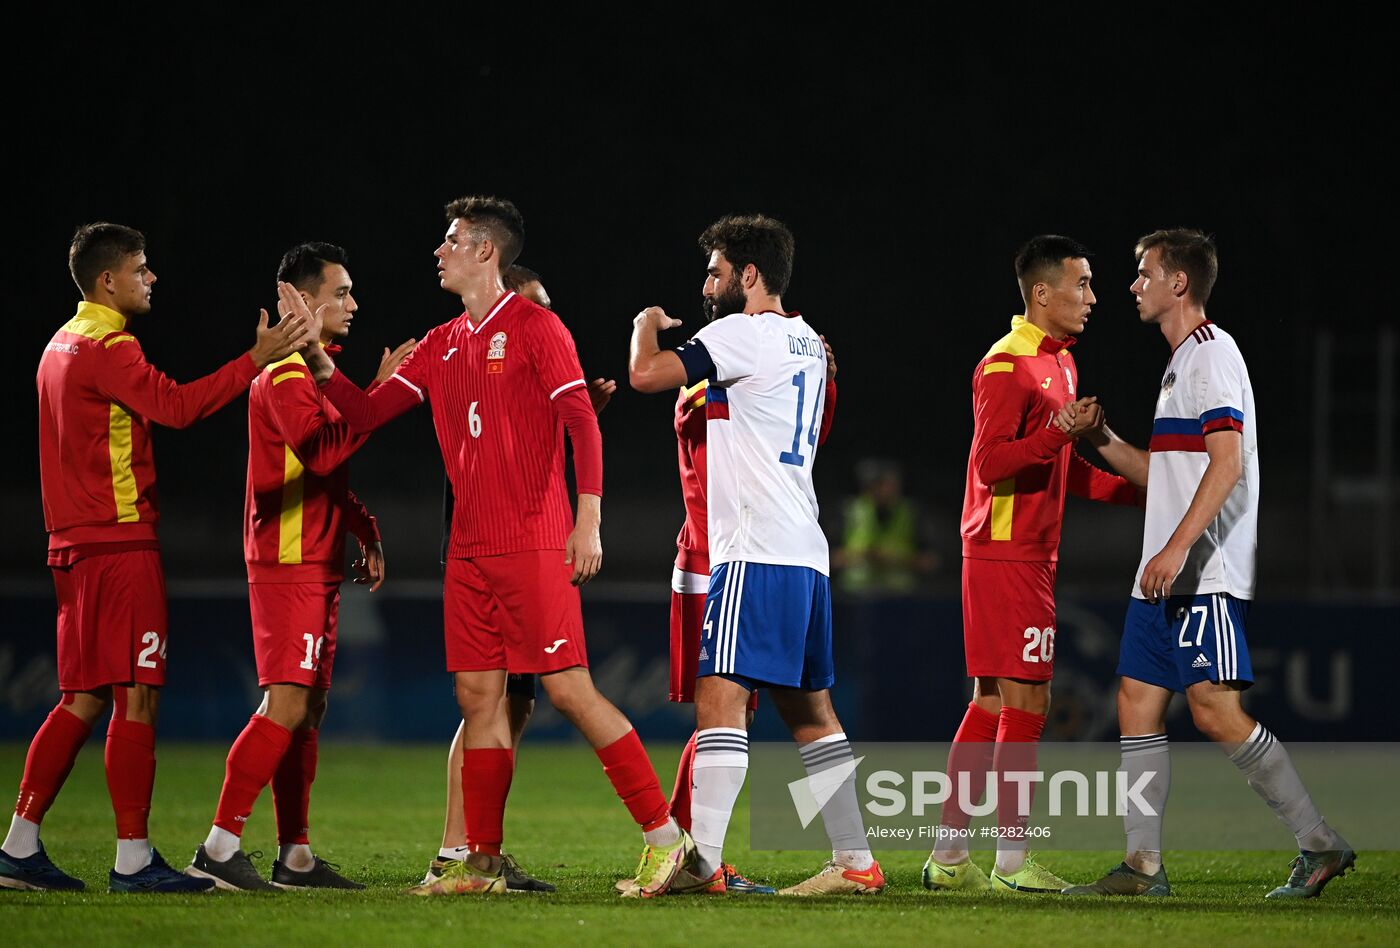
point(220, 844)
point(721, 763)
point(841, 814)
point(1266, 765)
point(1143, 754)
point(133, 855)
point(23, 838)
point(453, 852)
point(665, 835)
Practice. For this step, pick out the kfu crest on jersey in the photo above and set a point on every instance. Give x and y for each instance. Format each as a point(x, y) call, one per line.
point(496, 354)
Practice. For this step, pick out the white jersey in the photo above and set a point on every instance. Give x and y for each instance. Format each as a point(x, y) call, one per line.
point(763, 415)
point(1205, 389)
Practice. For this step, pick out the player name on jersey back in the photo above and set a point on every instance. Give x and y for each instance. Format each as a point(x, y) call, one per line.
point(764, 410)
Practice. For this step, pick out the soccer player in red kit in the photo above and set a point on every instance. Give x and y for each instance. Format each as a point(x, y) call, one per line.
point(520, 689)
point(297, 510)
point(504, 381)
point(1018, 471)
point(98, 399)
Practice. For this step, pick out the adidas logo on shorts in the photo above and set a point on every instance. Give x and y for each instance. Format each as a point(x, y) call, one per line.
point(704, 654)
point(1201, 661)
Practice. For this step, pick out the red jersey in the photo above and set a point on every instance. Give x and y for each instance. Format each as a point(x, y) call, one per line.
point(1021, 464)
point(499, 390)
point(298, 503)
point(693, 542)
point(97, 399)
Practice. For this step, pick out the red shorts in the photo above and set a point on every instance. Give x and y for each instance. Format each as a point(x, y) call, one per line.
point(294, 632)
point(1009, 619)
point(516, 611)
point(112, 623)
point(688, 592)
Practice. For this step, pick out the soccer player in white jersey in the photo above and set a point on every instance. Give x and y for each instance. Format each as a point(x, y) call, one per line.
point(1184, 631)
point(768, 611)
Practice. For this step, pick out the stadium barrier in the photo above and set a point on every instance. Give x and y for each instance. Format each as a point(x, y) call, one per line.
point(899, 668)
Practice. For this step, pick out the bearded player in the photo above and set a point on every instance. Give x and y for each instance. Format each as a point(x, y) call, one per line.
point(690, 577)
point(767, 620)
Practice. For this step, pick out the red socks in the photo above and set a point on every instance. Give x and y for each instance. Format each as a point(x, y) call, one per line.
point(1017, 736)
point(252, 761)
point(969, 760)
point(291, 787)
point(486, 775)
point(626, 763)
point(680, 795)
point(131, 774)
point(50, 759)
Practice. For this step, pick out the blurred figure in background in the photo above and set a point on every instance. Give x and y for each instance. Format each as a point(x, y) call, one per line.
point(883, 549)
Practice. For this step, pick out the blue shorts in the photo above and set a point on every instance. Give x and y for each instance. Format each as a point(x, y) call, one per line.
point(1185, 640)
point(768, 625)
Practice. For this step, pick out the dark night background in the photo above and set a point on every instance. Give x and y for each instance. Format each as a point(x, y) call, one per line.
point(910, 154)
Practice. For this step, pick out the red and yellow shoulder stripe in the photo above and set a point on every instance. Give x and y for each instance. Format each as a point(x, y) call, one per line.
point(695, 395)
point(1023, 340)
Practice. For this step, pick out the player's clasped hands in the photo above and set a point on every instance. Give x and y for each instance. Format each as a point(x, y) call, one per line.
point(1080, 416)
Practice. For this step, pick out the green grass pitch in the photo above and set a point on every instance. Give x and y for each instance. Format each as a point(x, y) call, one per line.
point(377, 812)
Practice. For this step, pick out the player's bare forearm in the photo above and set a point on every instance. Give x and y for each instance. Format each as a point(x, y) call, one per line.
point(648, 368)
point(1220, 477)
point(1127, 460)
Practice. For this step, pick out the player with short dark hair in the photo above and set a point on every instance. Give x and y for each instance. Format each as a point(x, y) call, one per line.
point(767, 621)
point(501, 378)
point(520, 689)
point(1185, 626)
point(98, 399)
point(297, 510)
point(1018, 471)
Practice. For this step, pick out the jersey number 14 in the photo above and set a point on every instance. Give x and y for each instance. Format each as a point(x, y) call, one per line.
point(794, 456)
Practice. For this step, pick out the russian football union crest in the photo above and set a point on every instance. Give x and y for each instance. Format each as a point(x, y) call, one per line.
point(1167, 382)
point(496, 353)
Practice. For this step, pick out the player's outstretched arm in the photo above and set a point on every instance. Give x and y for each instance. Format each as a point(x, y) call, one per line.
point(1222, 474)
point(648, 368)
point(127, 377)
point(1127, 460)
